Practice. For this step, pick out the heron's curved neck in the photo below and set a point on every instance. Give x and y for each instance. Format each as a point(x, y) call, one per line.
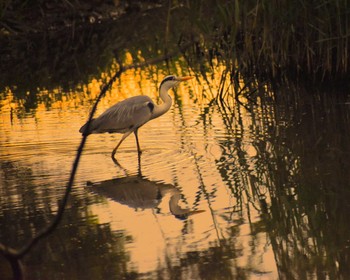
point(165, 106)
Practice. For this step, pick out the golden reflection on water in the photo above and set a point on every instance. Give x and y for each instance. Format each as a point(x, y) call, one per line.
point(181, 148)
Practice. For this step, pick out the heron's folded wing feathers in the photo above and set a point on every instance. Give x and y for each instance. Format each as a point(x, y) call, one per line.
point(123, 116)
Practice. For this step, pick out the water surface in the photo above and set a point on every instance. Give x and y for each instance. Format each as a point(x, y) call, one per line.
point(265, 182)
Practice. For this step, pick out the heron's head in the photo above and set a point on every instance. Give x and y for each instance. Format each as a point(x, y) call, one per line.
point(172, 81)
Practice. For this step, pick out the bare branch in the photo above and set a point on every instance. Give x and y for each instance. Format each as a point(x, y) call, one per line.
point(13, 255)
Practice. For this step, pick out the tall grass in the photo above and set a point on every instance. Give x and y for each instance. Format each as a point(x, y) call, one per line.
point(297, 38)
point(303, 39)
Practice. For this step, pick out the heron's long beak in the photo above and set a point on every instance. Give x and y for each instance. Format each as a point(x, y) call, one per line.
point(181, 79)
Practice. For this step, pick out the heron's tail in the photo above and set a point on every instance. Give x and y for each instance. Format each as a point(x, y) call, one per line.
point(83, 130)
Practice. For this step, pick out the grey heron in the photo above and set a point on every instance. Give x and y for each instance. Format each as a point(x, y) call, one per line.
point(138, 192)
point(129, 115)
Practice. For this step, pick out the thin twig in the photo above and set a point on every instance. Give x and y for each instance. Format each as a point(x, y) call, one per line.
point(14, 256)
point(51, 227)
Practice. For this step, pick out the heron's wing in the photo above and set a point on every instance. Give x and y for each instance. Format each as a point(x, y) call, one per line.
point(124, 116)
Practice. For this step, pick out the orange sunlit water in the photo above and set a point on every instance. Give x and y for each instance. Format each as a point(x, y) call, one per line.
point(181, 148)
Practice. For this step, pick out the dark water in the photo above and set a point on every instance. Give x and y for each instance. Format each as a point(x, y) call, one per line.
point(271, 181)
point(265, 177)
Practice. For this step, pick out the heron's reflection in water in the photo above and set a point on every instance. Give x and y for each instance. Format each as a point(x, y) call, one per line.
point(140, 193)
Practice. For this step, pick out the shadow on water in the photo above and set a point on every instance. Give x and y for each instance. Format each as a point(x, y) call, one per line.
point(284, 155)
point(308, 219)
point(138, 192)
point(79, 244)
point(297, 178)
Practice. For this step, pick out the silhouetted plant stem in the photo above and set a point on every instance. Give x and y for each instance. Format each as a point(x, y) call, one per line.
point(12, 255)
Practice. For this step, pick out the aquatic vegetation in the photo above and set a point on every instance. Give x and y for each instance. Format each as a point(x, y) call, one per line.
point(277, 38)
point(281, 151)
point(304, 40)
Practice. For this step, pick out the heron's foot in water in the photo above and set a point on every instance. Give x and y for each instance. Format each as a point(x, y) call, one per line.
point(113, 155)
point(120, 166)
point(139, 153)
point(117, 162)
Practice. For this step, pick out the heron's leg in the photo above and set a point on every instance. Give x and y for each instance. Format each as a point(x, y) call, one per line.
point(121, 141)
point(139, 164)
point(137, 142)
point(120, 166)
